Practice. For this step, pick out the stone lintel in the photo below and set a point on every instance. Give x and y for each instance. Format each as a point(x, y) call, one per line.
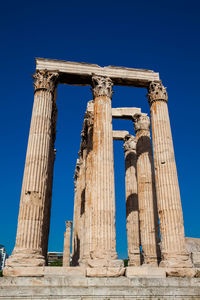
point(80, 73)
point(119, 134)
point(126, 113)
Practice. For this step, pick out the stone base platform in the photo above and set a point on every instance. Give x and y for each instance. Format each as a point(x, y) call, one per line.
point(43, 271)
point(145, 272)
point(84, 288)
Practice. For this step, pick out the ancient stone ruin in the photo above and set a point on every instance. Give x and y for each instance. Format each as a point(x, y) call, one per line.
point(155, 230)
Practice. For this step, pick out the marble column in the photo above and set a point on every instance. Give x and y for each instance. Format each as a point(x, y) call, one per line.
point(82, 212)
point(67, 244)
point(35, 196)
point(75, 236)
point(173, 248)
point(88, 189)
point(132, 210)
point(145, 190)
point(47, 209)
point(103, 190)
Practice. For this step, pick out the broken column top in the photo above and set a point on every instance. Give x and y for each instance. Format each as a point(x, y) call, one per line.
point(81, 73)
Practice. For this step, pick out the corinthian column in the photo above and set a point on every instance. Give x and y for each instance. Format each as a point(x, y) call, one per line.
point(82, 213)
point(67, 244)
point(88, 188)
point(103, 191)
point(34, 212)
point(77, 204)
point(132, 213)
point(173, 249)
point(146, 190)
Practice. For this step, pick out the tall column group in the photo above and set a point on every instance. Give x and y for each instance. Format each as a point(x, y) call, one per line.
point(155, 230)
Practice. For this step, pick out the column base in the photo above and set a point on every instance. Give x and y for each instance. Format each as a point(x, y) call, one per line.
point(181, 272)
point(134, 261)
point(105, 272)
point(150, 261)
point(182, 260)
point(104, 258)
point(25, 258)
point(101, 263)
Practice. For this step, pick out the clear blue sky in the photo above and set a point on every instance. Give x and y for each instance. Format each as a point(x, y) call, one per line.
point(158, 35)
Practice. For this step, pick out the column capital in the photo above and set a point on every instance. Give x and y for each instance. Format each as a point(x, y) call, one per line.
point(101, 86)
point(141, 122)
point(68, 224)
point(129, 143)
point(156, 92)
point(45, 80)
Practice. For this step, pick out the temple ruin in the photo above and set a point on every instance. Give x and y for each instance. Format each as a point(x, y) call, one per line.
point(155, 229)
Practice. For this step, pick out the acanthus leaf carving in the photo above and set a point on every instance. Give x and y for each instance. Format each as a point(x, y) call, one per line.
point(156, 92)
point(102, 86)
point(45, 80)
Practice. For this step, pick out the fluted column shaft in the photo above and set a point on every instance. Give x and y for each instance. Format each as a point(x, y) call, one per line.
point(145, 190)
point(67, 244)
point(35, 196)
point(132, 210)
point(47, 208)
point(77, 204)
point(88, 190)
point(103, 192)
point(81, 220)
point(167, 187)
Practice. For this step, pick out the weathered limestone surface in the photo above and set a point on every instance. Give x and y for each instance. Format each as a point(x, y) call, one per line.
point(79, 208)
point(173, 248)
point(132, 210)
point(67, 244)
point(146, 191)
point(193, 247)
point(145, 272)
point(82, 187)
point(87, 238)
point(47, 209)
point(81, 73)
point(83, 288)
point(119, 134)
point(103, 191)
point(35, 202)
point(126, 113)
point(75, 235)
point(105, 271)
